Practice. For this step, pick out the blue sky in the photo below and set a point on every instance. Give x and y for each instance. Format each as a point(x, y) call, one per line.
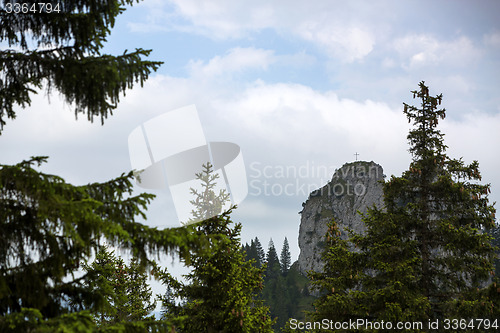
point(295, 84)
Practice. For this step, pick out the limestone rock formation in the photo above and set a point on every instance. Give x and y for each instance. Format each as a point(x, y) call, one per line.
point(353, 188)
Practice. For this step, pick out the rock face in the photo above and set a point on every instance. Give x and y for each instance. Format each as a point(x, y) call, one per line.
point(354, 187)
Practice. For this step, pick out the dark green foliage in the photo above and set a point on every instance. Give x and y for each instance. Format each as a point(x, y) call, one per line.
point(495, 234)
point(63, 51)
point(261, 255)
point(427, 255)
point(273, 268)
point(126, 294)
point(49, 228)
point(255, 252)
point(220, 292)
point(285, 258)
point(300, 299)
point(252, 254)
point(285, 291)
point(31, 320)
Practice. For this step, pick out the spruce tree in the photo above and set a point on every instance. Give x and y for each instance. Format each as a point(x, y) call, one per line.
point(48, 227)
point(207, 203)
point(273, 263)
point(252, 254)
point(285, 258)
point(427, 254)
point(276, 292)
point(126, 293)
point(261, 255)
point(62, 51)
point(219, 294)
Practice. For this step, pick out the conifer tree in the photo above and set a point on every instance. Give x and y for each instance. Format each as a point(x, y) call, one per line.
point(126, 294)
point(285, 258)
point(273, 263)
point(427, 254)
point(62, 50)
point(220, 292)
point(207, 203)
point(48, 227)
point(277, 290)
point(251, 253)
point(247, 250)
point(261, 255)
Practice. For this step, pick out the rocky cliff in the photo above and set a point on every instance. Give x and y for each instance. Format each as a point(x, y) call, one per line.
point(354, 187)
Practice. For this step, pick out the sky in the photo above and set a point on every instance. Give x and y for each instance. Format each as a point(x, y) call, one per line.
point(299, 86)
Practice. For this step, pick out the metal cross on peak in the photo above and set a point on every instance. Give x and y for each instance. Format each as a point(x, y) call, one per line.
point(356, 154)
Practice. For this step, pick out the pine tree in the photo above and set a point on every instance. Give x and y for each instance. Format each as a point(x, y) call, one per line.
point(286, 258)
point(126, 293)
point(49, 227)
point(221, 289)
point(277, 291)
point(427, 254)
point(256, 252)
point(261, 255)
point(251, 254)
point(273, 263)
point(62, 50)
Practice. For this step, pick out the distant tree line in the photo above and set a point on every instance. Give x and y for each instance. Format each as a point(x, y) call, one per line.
point(285, 289)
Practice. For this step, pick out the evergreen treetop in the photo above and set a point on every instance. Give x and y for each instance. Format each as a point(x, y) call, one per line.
point(126, 294)
point(207, 203)
point(219, 294)
point(272, 255)
point(261, 255)
point(285, 258)
point(273, 267)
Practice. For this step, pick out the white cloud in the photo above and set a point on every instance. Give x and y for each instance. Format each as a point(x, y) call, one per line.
point(297, 118)
point(224, 19)
point(474, 137)
point(345, 43)
point(421, 50)
point(492, 39)
point(235, 60)
point(331, 28)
